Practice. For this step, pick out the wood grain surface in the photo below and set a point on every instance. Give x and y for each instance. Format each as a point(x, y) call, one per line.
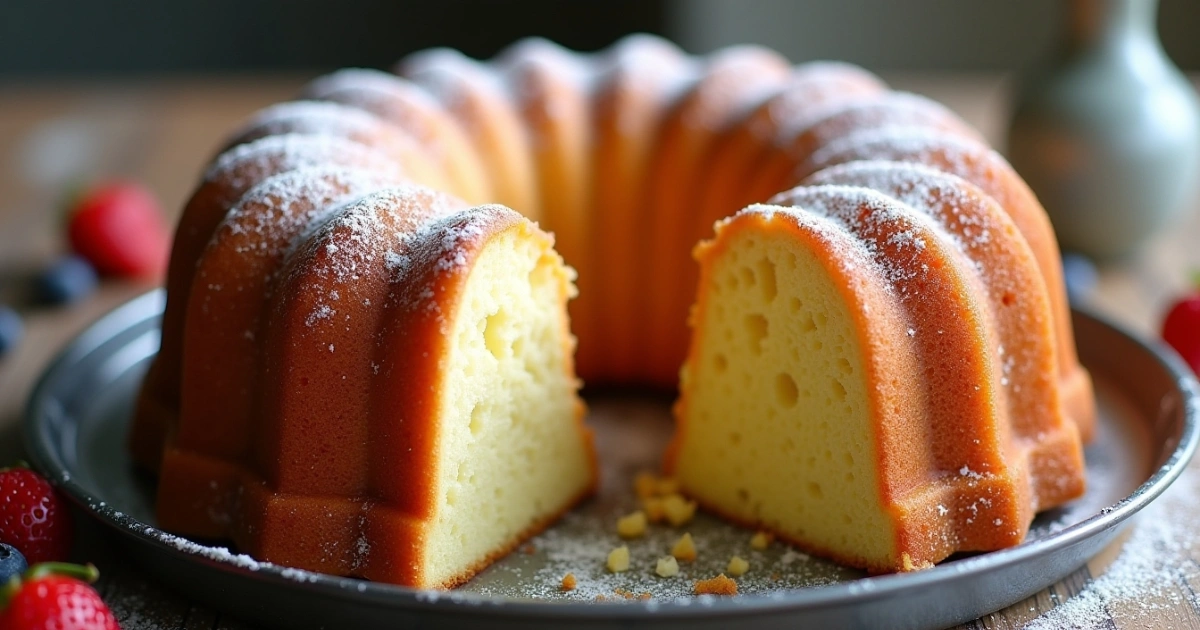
point(162, 133)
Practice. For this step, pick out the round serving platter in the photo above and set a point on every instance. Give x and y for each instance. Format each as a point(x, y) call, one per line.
point(1148, 403)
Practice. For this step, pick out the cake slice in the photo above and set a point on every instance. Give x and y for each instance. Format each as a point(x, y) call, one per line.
point(844, 387)
point(409, 412)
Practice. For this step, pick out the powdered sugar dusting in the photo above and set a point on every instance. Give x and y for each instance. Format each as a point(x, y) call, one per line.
point(638, 70)
point(889, 109)
point(312, 118)
point(276, 212)
point(247, 164)
point(813, 90)
point(875, 219)
point(1152, 574)
point(959, 155)
point(391, 98)
point(365, 238)
point(735, 80)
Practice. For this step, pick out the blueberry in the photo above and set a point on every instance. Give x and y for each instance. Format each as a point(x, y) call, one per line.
point(11, 329)
point(11, 563)
point(69, 279)
point(1080, 276)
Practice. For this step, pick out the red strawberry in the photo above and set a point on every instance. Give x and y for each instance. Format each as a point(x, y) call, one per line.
point(119, 228)
point(33, 517)
point(54, 595)
point(1181, 329)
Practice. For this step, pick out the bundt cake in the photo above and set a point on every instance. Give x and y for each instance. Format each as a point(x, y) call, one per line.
point(365, 373)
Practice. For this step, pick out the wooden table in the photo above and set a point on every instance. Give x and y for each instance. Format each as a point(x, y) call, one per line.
point(162, 133)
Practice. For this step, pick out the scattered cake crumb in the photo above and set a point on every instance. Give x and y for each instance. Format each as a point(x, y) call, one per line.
point(762, 540)
point(776, 576)
point(618, 559)
point(684, 549)
point(720, 585)
point(678, 509)
point(738, 566)
point(632, 525)
point(653, 507)
point(569, 582)
point(667, 486)
point(645, 484)
point(628, 594)
point(667, 566)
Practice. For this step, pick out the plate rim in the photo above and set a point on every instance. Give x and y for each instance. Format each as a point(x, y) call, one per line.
point(149, 306)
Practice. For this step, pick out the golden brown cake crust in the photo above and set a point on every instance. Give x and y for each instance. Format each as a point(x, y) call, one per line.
point(226, 180)
point(983, 167)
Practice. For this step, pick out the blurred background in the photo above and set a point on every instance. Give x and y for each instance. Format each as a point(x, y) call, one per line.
point(85, 38)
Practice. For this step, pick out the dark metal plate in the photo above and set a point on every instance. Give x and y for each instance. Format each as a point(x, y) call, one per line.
point(78, 414)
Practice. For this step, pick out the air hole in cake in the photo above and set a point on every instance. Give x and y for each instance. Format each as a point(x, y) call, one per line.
point(735, 438)
point(477, 418)
point(766, 271)
point(806, 322)
point(748, 277)
point(756, 327)
point(495, 334)
point(785, 390)
point(743, 495)
point(1008, 299)
point(720, 363)
point(839, 390)
point(796, 305)
point(814, 490)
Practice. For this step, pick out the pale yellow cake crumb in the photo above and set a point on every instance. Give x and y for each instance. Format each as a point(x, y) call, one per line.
point(628, 594)
point(720, 585)
point(678, 509)
point(667, 566)
point(684, 549)
point(568, 582)
point(762, 540)
point(618, 559)
point(737, 566)
point(667, 486)
point(645, 484)
point(632, 525)
point(653, 507)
